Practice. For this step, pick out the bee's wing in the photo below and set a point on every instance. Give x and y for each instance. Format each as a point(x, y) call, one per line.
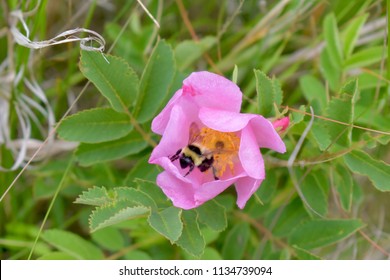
point(194, 133)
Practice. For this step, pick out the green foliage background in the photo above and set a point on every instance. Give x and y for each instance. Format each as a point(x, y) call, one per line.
point(323, 63)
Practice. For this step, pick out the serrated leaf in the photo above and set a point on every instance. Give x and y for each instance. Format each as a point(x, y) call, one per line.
point(278, 93)
point(377, 171)
point(213, 215)
point(332, 40)
point(268, 91)
point(320, 233)
point(167, 223)
point(95, 126)
point(191, 238)
point(236, 242)
point(155, 82)
point(96, 196)
point(344, 186)
point(153, 191)
point(351, 34)
point(135, 196)
point(88, 154)
point(114, 213)
point(115, 79)
point(72, 244)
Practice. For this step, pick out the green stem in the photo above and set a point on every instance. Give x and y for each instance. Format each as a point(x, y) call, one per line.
point(59, 187)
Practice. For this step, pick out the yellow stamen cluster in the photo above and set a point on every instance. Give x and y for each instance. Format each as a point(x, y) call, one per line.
point(223, 145)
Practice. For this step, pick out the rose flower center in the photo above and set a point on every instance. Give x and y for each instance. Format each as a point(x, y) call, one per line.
point(224, 147)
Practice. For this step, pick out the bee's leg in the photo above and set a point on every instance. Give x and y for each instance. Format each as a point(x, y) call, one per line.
point(215, 173)
point(192, 166)
point(176, 156)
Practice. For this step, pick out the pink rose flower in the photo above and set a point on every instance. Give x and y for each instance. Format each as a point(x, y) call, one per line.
point(208, 145)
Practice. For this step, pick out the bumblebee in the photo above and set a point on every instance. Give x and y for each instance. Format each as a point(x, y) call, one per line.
point(208, 150)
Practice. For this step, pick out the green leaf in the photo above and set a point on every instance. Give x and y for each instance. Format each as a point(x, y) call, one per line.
point(235, 74)
point(320, 134)
point(332, 40)
point(289, 217)
point(88, 154)
point(351, 34)
point(94, 126)
point(314, 92)
point(213, 215)
point(365, 57)
point(344, 186)
point(236, 242)
point(135, 196)
point(268, 187)
point(109, 238)
point(61, 256)
point(95, 196)
point(187, 52)
point(342, 110)
point(153, 191)
point(155, 82)
point(114, 213)
point(314, 194)
point(191, 238)
point(114, 79)
point(72, 244)
point(167, 223)
point(268, 92)
point(320, 233)
point(303, 254)
point(331, 73)
point(377, 171)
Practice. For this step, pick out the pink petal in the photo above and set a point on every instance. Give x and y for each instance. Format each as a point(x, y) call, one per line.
point(266, 135)
point(222, 120)
point(250, 157)
point(281, 124)
point(227, 121)
point(212, 90)
point(211, 189)
point(175, 136)
point(181, 193)
point(245, 187)
point(159, 123)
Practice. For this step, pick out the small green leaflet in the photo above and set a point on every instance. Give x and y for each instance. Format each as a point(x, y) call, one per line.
point(72, 244)
point(268, 92)
point(213, 215)
point(95, 126)
point(155, 82)
point(320, 233)
point(377, 171)
point(236, 242)
point(191, 239)
point(114, 78)
point(167, 222)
